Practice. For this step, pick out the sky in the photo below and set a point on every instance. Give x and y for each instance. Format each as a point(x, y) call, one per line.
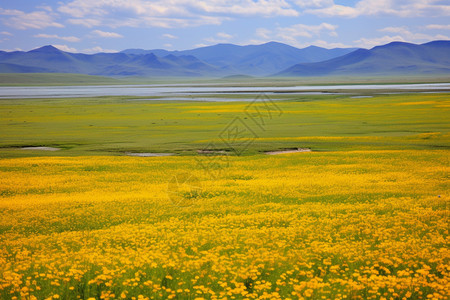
point(91, 26)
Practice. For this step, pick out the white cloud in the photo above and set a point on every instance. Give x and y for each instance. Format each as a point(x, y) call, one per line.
point(438, 27)
point(245, 7)
point(314, 3)
point(298, 35)
point(415, 37)
point(221, 37)
point(441, 37)
point(302, 35)
point(400, 8)
point(394, 29)
point(253, 42)
point(169, 36)
point(372, 42)
point(328, 45)
point(335, 11)
point(10, 12)
point(292, 33)
point(149, 21)
point(213, 41)
point(89, 23)
point(98, 49)
point(83, 8)
point(6, 33)
point(263, 33)
point(106, 34)
point(65, 48)
point(224, 35)
point(12, 50)
point(54, 36)
point(37, 20)
point(45, 7)
point(201, 45)
point(399, 34)
point(176, 13)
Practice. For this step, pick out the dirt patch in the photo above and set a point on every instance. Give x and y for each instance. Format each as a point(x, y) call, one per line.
point(41, 148)
point(286, 151)
point(212, 152)
point(148, 154)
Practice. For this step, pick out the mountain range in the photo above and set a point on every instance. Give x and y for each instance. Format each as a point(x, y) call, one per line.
point(395, 58)
point(257, 60)
point(270, 59)
point(49, 59)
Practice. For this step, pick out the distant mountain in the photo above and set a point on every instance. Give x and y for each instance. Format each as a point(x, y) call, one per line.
point(49, 59)
point(257, 60)
point(157, 52)
point(224, 60)
point(395, 58)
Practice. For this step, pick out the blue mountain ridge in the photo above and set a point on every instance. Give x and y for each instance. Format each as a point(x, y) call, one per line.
point(396, 58)
point(218, 61)
point(257, 60)
point(222, 60)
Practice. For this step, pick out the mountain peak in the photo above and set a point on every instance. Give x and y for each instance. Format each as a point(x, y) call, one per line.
point(395, 44)
point(273, 43)
point(47, 48)
point(438, 42)
point(312, 47)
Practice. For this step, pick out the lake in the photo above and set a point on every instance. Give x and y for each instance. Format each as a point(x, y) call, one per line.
point(174, 90)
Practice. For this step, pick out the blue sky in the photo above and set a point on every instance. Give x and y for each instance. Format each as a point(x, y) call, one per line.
point(91, 26)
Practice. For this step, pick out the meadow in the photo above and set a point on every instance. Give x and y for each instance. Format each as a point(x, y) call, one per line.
point(365, 215)
point(115, 125)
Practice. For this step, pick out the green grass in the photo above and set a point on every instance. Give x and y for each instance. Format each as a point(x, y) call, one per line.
point(114, 125)
point(37, 79)
point(67, 79)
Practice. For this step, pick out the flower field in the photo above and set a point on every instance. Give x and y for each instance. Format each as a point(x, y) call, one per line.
point(320, 225)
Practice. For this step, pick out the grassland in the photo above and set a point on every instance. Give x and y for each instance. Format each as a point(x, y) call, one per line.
point(34, 79)
point(363, 216)
point(114, 125)
point(67, 79)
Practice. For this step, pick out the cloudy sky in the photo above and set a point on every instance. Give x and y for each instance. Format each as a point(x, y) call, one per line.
point(112, 25)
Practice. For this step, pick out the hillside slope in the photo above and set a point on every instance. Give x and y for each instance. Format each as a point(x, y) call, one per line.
point(395, 58)
point(257, 60)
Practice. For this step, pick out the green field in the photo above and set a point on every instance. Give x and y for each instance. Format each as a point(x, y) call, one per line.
point(67, 79)
point(33, 79)
point(114, 125)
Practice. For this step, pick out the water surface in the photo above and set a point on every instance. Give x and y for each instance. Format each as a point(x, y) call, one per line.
point(172, 90)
